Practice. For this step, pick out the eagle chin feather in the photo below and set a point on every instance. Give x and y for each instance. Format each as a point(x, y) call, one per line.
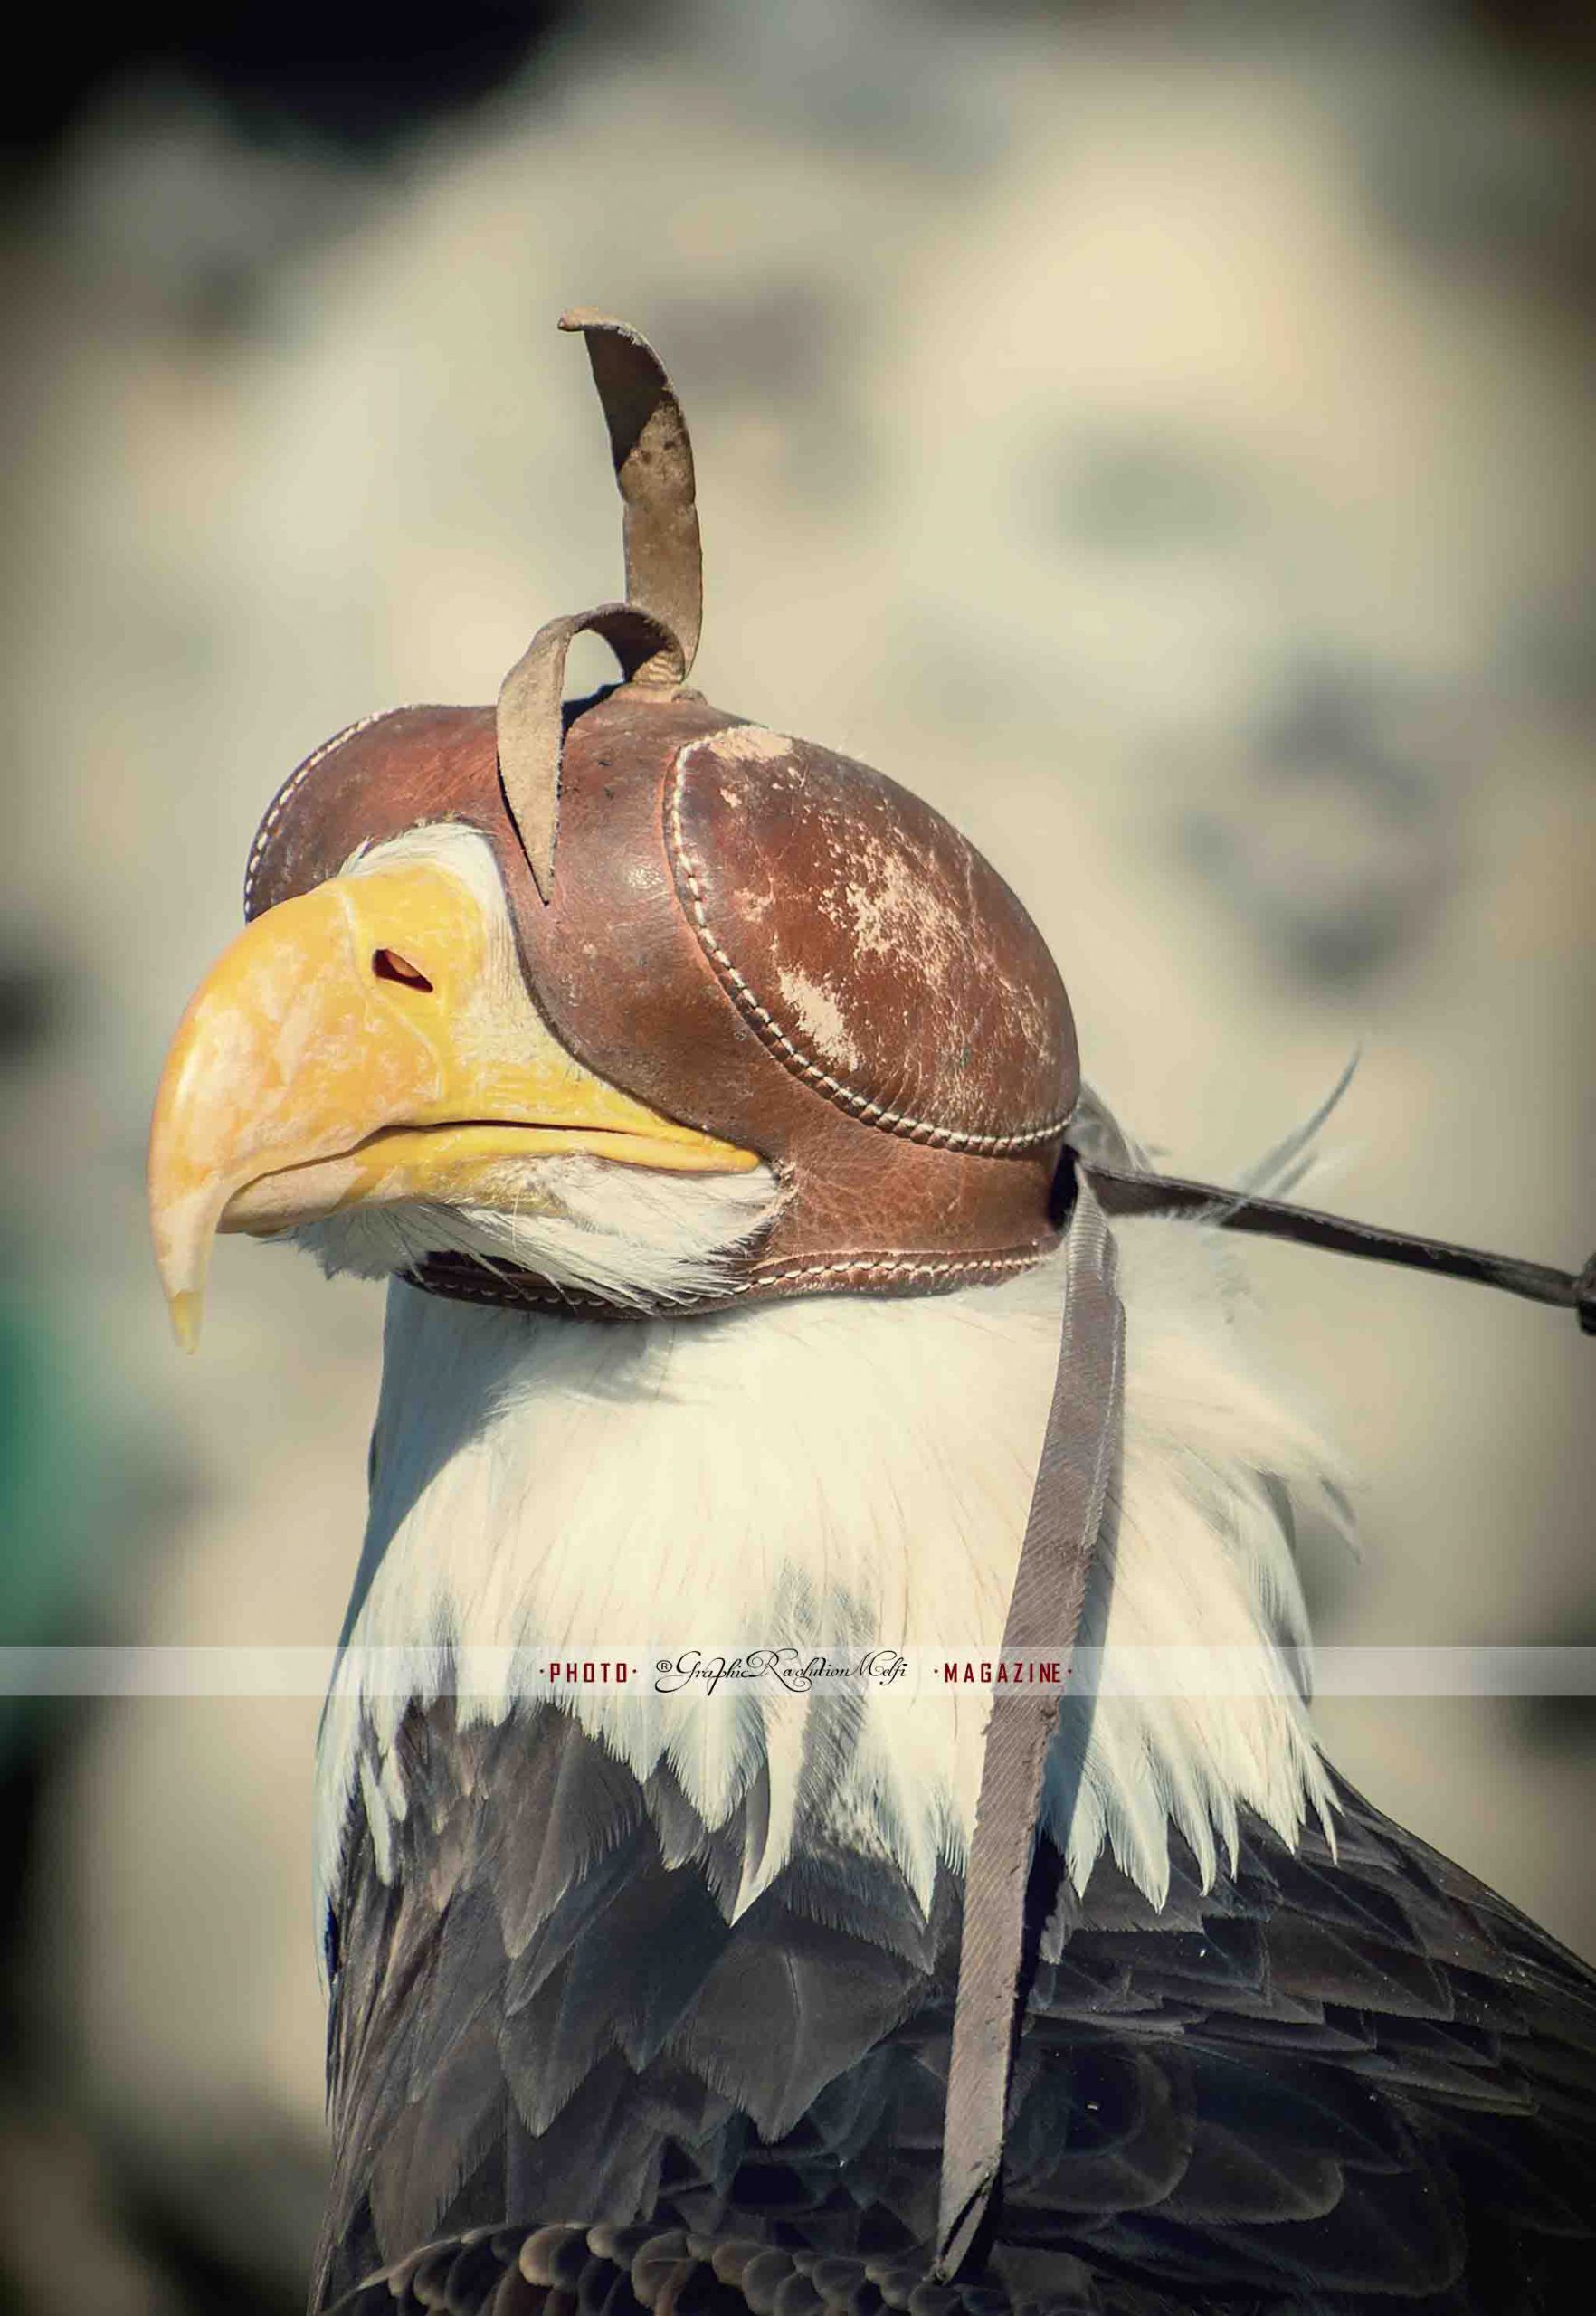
point(633, 1238)
point(838, 1473)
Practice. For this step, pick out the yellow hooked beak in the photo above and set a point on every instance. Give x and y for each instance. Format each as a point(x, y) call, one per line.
point(369, 1042)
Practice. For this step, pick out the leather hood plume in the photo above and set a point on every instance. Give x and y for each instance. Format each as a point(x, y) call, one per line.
point(753, 935)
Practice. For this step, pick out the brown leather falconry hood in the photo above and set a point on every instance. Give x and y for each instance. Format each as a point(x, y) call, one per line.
point(754, 937)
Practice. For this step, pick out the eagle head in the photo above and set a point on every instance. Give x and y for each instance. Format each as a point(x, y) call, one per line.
point(640, 933)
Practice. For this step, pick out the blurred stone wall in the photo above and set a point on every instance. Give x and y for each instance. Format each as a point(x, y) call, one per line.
point(1167, 449)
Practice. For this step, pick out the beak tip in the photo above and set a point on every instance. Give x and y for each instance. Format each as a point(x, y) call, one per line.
point(185, 1308)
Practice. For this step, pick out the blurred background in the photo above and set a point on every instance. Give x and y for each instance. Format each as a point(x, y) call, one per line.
point(1160, 435)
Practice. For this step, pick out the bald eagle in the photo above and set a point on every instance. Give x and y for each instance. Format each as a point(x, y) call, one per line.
point(671, 1968)
point(642, 1936)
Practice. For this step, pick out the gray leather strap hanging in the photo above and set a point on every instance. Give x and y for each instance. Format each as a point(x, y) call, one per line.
point(1078, 1452)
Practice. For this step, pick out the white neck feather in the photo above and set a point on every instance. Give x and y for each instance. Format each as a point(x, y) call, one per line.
point(836, 1472)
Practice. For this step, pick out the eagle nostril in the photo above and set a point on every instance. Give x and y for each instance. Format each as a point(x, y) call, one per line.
point(389, 965)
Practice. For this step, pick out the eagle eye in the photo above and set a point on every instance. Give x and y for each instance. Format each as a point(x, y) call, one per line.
point(389, 965)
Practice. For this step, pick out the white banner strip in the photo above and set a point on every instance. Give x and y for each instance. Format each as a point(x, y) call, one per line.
point(194, 1671)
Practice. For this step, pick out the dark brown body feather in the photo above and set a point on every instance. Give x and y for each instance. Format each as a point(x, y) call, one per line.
point(1340, 2084)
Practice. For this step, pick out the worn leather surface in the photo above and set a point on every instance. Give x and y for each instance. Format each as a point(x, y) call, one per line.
point(764, 940)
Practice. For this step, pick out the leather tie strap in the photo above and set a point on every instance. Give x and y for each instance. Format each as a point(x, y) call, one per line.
point(530, 716)
point(1067, 1504)
point(653, 463)
point(1127, 1193)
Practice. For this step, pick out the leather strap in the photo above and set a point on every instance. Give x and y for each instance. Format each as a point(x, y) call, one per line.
point(1124, 1192)
point(530, 716)
point(1084, 1428)
point(1078, 1452)
point(1121, 1191)
point(653, 463)
point(654, 633)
